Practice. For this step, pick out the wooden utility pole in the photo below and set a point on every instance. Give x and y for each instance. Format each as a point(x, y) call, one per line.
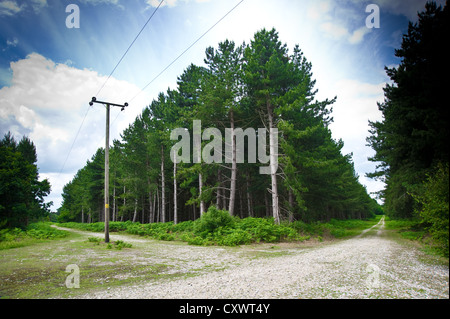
point(108, 106)
point(107, 176)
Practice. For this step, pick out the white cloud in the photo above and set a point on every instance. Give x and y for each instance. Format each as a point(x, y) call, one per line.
point(170, 3)
point(337, 21)
point(38, 4)
point(25, 116)
point(9, 8)
point(47, 101)
point(358, 35)
point(57, 181)
point(318, 10)
point(97, 2)
point(12, 43)
point(334, 30)
point(340, 32)
point(357, 104)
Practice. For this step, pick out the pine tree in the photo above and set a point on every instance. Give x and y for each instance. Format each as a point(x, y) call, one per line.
point(414, 134)
point(268, 78)
point(222, 92)
point(21, 192)
point(249, 86)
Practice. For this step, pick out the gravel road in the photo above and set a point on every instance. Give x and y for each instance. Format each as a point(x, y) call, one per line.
point(371, 265)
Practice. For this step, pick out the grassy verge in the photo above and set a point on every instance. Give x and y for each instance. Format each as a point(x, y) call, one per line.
point(415, 232)
point(34, 233)
point(217, 227)
point(336, 228)
point(41, 270)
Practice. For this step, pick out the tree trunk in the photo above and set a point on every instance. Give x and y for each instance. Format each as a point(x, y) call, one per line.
point(233, 167)
point(154, 207)
point(175, 211)
point(143, 209)
point(219, 189)
point(291, 204)
point(249, 196)
point(163, 186)
point(124, 198)
point(150, 208)
point(114, 201)
point(135, 210)
point(273, 166)
point(158, 208)
point(200, 186)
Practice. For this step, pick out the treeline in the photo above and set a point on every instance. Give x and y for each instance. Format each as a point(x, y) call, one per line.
point(21, 192)
point(256, 85)
point(412, 141)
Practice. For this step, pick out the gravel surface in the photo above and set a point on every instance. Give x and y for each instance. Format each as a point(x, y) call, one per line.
point(370, 265)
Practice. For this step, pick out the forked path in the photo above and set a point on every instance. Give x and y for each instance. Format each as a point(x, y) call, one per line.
point(367, 266)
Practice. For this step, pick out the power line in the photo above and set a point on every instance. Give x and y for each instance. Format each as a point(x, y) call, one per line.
point(76, 136)
point(106, 81)
point(188, 48)
point(179, 56)
point(157, 76)
point(129, 47)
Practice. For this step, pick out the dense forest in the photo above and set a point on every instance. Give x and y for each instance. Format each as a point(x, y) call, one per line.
point(412, 141)
point(257, 85)
point(261, 91)
point(21, 192)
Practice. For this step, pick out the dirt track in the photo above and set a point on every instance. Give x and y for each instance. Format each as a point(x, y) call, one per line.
point(371, 265)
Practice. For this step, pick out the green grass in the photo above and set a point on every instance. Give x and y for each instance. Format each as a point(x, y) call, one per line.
point(39, 271)
point(335, 228)
point(415, 231)
point(99, 227)
point(34, 233)
point(217, 227)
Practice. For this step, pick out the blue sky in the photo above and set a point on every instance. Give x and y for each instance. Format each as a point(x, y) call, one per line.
point(48, 72)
